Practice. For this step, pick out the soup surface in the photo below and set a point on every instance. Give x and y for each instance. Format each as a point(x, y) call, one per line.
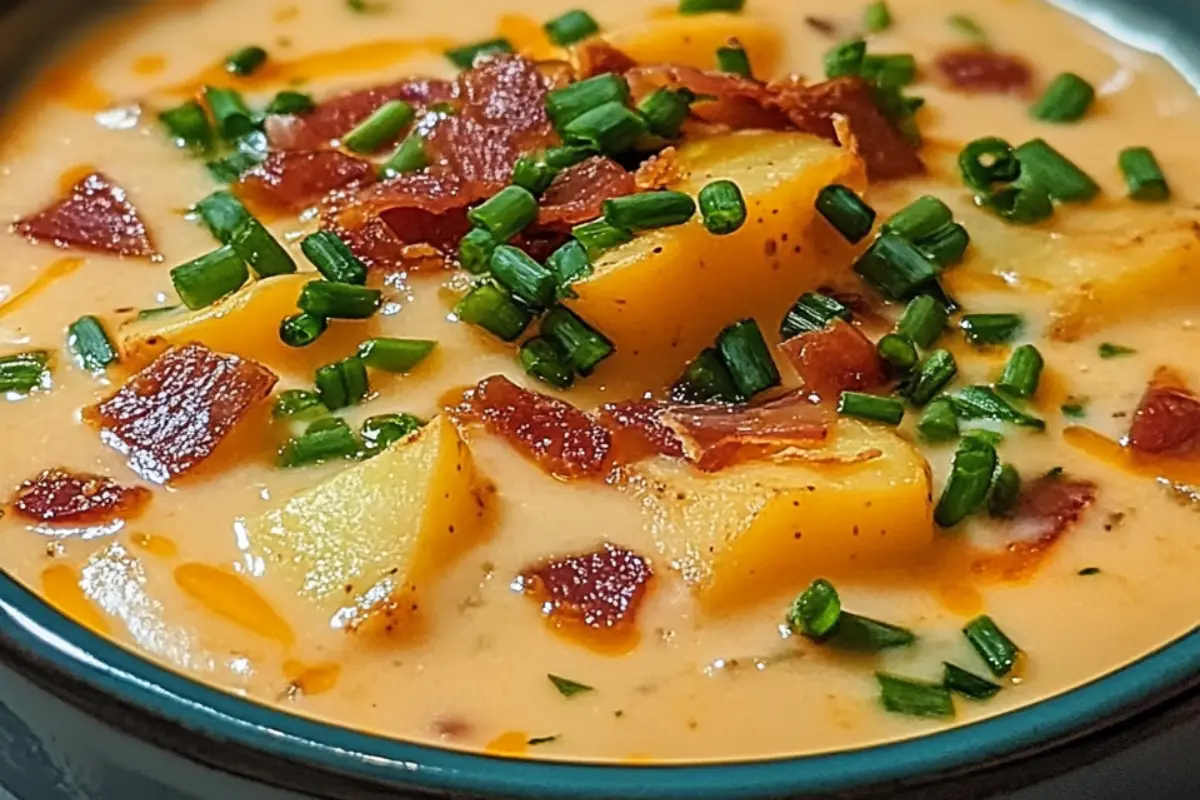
point(544, 577)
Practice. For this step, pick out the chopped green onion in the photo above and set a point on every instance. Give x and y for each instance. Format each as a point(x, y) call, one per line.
point(932, 376)
point(569, 263)
point(988, 161)
point(546, 361)
point(993, 438)
point(872, 408)
point(491, 308)
point(188, 126)
point(205, 280)
point(245, 61)
point(984, 329)
point(1022, 372)
point(324, 439)
point(647, 210)
point(898, 351)
point(970, 479)
point(506, 213)
point(597, 236)
point(567, 687)
point(526, 279)
point(222, 214)
point(722, 207)
point(732, 58)
point(533, 174)
point(23, 372)
point(290, 102)
point(705, 6)
point(920, 219)
point(475, 251)
point(706, 380)
point(968, 684)
point(233, 117)
point(395, 355)
point(255, 245)
point(1055, 173)
point(914, 698)
point(1005, 493)
point(339, 300)
point(895, 267)
point(1075, 408)
point(382, 126)
point(151, 313)
point(946, 247)
point(1143, 175)
point(860, 634)
point(568, 155)
point(968, 27)
point(846, 211)
point(409, 156)
point(228, 169)
point(298, 404)
point(846, 59)
point(611, 128)
point(938, 422)
point(877, 17)
point(1024, 202)
point(666, 109)
point(382, 431)
point(749, 360)
point(571, 27)
point(90, 344)
point(816, 612)
point(890, 72)
point(574, 100)
point(464, 57)
point(343, 383)
point(1066, 99)
point(301, 330)
point(812, 312)
point(333, 259)
point(1089, 571)
point(585, 346)
point(1109, 350)
point(982, 402)
point(923, 321)
point(994, 647)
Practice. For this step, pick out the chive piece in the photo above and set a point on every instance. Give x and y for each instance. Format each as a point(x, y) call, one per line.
point(1005, 494)
point(23, 372)
point(846, 211)
point(898, 351)
point(860, 634)
point(923, 321)
point(567, 687)
point(301, 330)
point(410, 155)
point(749, 360)
point(395, 355)
point(722, 207)
point(895, 267)
point(380, 432)
point(574, 100)
point(967, 684)
point(491, 308)
point(988, 161)
point(290, 102)
point(506, 213)
point(245, 61)
point(330, 300)
point(342, 383)
point(205, 280)
point(914, 698)
point(706, 380)
point(1143, 175)
point(151, 313)
point(566, 156)
point(1025, 202)
point(382, 126)
point(222, 214)
point(255, 245)
point(968, 27)
point(569, 263)
point(890, 72)
point(666, 109)
point(333, 259)
point(585, 346)
point(946, 247)
point(705, 6)
point(985, 329)
point(298, 404)
point(546, 361)
point(597, 236)
point(871, 408)
point(846, 59)
point(533, 174)
point(647, 210)
point(812, 312)
point(994, 647)
point(966, 489)
point(323, 440)
point(611, 128)
point(920, 219)
point(815, 613)
point(232, 116)
point(1088, 571)
point(534, 741)
point(475, 251)
point(732, 58)
point(526, 279)
point(877, 17)
point(1109, 350)
point(1055, 173)
point(571, 27)
point(188, 126)
point(932, 376)
point(1022, 372)
point(1074, 408)
point(1066, 99)
point(90, 344)
point(464, 57)
point(938, 422)
point(982, 402)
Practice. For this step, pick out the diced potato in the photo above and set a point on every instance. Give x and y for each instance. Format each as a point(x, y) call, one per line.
point(759, 529)
point(366, 544)
point(693, 41)
point(665, 295)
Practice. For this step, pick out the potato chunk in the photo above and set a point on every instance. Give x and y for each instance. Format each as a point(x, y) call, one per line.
point(365, 544)
point(762, 528)
point(693, 41)
point(665, 295)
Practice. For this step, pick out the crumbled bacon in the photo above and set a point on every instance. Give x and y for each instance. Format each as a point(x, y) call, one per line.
point(836, 359)
point(978, 70)
point(603, 589)
point(293, 180)
point(95, 216)
point(596, 57)
point(660, 171)
point(638, 430)
point(1167, 419)
point(60, 496)
point(578, 193)
point(174, 413)
point(728, 99)
point(1048, 506)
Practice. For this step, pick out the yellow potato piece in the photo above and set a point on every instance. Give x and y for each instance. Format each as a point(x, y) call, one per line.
point(665, 295)
point(367, 543)
point(693, 41)
point(759, 529)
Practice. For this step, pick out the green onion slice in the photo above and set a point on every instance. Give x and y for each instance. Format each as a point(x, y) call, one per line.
point(395, 355)
point(491, 308)
point(339, 300)
point(967, 684)
point(464, 57)
point(983, 403)
point(1023, 372)
point(648, 210)
point(1055, 173)
point(732, 58)
point(506, 213)
point(382, 126)
point(994, 647)
point(914, 698)
point(301, 330)
point(871, 408)
point(816, 612)
point(812, 312)
point(706, 380)
point(343, 383)
point(923, 321)
point(545, 360)
point(970, 479)
point(938, 422)
point(896, 268)
point(324, 439)
point(1066, 99)
point(205, 280)
point(333, 258)
point(526, 279)
point(846, 212)
point(574, 100)
point(188, 126)
point(932, 376)
point(584, 345)
point(246, 61)
point(1143, 175)
point(722, 207)
point(87, 339)
point(1005, 494)
point(409, 156)
point(380, 432)
point(571, 27)
point(748, 358)
point(610, 128)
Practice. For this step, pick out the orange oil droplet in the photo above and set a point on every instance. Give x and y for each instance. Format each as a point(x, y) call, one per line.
point(1114, 454)
point(509, 743)
point(312, 679)
point(156, 545)
point(70, 177)
point(58, 269)
point(527, 36)
point(60, 587)
point(148, 64)
point(230, 596)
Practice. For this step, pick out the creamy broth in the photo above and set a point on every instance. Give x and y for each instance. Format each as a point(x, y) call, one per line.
point(695, 685)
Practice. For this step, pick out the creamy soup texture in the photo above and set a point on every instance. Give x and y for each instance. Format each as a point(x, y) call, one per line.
point(430, 591)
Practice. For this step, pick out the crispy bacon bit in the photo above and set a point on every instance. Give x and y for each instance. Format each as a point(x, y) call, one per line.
point(977, 70)
point(59, 496)
point(835, 360)
point(638, 430)
point(1048, 506)
point(659, 171)
point(602, 589)
point(96, 216)
point(596, 57)
point(174, 413)
point(578, 193)
point(296, 179)
point(1167, 419)
point(559, 437)
point(736, 101)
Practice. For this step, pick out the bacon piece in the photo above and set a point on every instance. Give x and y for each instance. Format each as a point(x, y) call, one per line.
point(556, 435)
point(660, 171)
point(95, 216)
point(602, 590)
point(736, 101)
point(578, 193)
point(1048, 506)
point(60, 496)
point(596, 57)
point(977, 70)
point(508, 95)
point(297, 179)
point(835, 360)
point(174, 413)
point(1167, 420)
point(638, 430)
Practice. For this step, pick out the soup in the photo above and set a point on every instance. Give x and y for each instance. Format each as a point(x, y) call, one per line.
point(505, 411)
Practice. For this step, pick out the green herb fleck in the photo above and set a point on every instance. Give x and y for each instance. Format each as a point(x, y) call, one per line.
point(1075, 407)
point(542, 740)
point(1089, 571)
point(567, 687)
point(1110, 350)
point(968, 27)
point(1055, 472)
